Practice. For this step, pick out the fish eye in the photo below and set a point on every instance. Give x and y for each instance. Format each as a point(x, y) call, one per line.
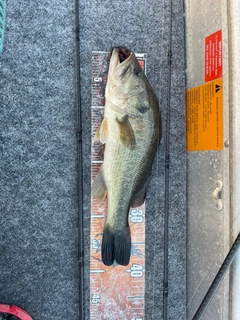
point(137, 71)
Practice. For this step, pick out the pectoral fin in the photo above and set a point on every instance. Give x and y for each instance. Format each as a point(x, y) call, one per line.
point(127, 136)
point(102, 132)
point(99, 189)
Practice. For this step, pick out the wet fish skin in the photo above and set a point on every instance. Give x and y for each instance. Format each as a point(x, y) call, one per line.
point(131, 131)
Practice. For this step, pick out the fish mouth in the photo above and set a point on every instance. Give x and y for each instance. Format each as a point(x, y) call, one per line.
point(120, 59)
point(123, 53)
point(124, 56)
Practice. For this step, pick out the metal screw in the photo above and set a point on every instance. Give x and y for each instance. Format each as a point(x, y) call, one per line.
point(219, 184)
point(226, 143)
point(219, 205)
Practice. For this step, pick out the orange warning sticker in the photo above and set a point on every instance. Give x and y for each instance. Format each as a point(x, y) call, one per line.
point(204, 113)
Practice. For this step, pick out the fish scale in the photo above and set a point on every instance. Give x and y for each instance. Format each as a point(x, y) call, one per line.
point(116, 292)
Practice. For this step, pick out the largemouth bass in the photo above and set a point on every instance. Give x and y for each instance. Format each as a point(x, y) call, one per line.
point(131, 131)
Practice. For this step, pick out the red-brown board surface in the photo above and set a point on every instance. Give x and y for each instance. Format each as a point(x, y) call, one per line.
point(116, 292)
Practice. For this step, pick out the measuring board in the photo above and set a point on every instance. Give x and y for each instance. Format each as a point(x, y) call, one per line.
point(116, 292)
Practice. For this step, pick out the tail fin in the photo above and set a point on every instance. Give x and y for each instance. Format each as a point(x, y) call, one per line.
point(107, 247)
point(116, 245)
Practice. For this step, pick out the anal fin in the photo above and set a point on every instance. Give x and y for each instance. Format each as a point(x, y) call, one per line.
point(138, 199)
point(102, 132)
point(140, 196)
point(99, 188)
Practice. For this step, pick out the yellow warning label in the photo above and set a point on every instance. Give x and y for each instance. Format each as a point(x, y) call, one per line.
point(204, 112)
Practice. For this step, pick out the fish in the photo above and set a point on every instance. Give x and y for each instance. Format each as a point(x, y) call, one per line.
point(131, 131)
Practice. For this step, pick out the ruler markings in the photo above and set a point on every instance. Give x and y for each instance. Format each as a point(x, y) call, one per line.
point(129, 280)
point(97, 107)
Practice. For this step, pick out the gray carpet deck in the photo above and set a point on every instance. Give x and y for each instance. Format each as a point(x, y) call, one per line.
point(38, 159)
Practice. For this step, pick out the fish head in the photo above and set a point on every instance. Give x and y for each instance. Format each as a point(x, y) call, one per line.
point(127, 85)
